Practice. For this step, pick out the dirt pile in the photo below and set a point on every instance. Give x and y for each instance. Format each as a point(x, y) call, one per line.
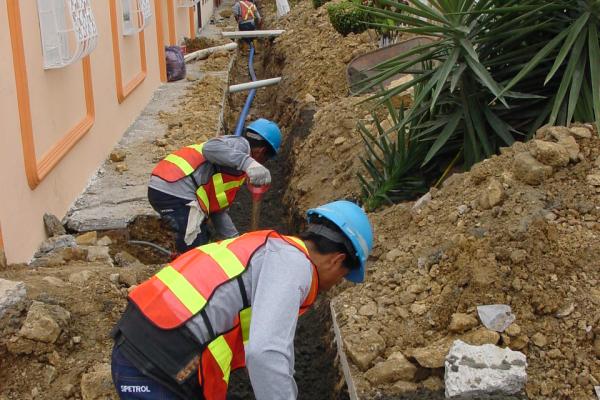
point(521, 229)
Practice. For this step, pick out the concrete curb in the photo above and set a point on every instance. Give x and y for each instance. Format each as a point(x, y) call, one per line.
point(343, 359)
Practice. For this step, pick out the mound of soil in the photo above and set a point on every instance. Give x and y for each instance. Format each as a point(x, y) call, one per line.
point(521, 229)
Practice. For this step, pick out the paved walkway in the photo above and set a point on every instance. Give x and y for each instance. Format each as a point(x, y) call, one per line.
point(112, 199)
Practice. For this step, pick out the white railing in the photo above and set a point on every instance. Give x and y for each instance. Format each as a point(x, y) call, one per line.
point(136, 15)
point(68, 31)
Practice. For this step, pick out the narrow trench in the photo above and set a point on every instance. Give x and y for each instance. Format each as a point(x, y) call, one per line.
point(317, 374)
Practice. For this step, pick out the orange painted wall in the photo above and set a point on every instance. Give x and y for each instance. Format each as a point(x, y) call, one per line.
point(65, 122)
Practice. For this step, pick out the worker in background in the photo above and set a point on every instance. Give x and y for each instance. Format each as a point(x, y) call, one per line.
point(200, 181)
point(232, 304)
point(247, 16)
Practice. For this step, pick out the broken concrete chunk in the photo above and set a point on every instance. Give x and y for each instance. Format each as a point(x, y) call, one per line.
point(462, 322)
point(11, 294)
point(56, 242)
point(529, 170)
point(364, 347)
point(53, 226)
point(395, 368)
point(97, 384)
point(496, 317)
point(44, 322)
point(472, 371)
point(87, 239)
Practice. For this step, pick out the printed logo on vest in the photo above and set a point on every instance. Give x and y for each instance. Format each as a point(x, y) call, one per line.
point(135, 389)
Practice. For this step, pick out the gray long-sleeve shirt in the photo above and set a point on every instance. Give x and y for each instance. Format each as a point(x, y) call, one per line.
point(224, 151)
point(277, 282)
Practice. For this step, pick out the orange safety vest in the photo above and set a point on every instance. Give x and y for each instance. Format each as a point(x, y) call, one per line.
point(215, 195)
point(183, 288)
point(247, 10)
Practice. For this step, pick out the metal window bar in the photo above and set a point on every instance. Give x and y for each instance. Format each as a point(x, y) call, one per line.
point(187, 3)
point(68, 31)
point(136, 15)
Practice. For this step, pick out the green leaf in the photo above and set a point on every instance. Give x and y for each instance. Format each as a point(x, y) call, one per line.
point(594, 50)
point(486, 79)
point(574, 33)
point(444, 136)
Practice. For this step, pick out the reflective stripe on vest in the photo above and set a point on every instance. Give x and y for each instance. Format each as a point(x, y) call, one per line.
point(220, 192)
point(247, 10)
point(180, 164)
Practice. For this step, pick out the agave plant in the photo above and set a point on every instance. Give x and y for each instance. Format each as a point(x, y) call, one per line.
point(495, 71)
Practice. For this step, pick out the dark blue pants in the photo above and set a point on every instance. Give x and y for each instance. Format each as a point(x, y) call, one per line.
point(247, 26)
point(131, 383)
point(174, 211)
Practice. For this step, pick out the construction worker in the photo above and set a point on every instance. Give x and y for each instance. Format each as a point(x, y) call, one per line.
point(201, 181)
point(232, 304)
point(247, 16)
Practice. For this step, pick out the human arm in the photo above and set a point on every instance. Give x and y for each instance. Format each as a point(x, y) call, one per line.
point(281, 288)
point(236, 11)
point(223, 224)
point(228, 151)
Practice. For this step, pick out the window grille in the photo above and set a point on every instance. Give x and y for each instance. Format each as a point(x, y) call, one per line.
point(68, 31)
point(136, 15)
point(187, 3)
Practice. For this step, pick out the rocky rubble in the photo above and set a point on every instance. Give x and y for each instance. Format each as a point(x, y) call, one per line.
point(520, 229)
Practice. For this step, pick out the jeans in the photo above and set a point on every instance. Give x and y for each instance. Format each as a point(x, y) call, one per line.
point(174, 211)
point(247, 26)
point(131, 384)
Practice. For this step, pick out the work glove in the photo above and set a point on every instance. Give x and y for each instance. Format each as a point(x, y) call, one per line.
point(258, 174)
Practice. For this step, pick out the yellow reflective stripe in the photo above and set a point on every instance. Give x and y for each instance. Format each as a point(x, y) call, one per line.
point(228, 261)
point(181, 163)
point(182, 289)
point(245, 317)
point(203, 197)
point(220, 190)
point(232, 184)
point(222, 353)
point(298, 242)
point(197, 147)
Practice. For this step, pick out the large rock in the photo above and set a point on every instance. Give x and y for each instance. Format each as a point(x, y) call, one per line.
point(395, 368)
point(11, 293)
point(364, 347)
point(56, 242)
point(53, 226)
point(97, 384)
point(529, 170)
point(44, 322)
point(549, 153)
point(476, 371)
point(87, 239)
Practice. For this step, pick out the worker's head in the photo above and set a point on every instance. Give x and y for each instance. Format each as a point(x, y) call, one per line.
point(264, 137)
point(340, 239)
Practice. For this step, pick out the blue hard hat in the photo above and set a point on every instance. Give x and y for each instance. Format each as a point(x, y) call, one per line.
point(269, 131)
point(354, 223)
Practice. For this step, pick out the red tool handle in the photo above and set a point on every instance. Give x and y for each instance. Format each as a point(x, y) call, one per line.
point(257, 192)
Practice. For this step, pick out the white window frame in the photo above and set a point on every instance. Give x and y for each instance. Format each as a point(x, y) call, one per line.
point(136, 16)
point(187, 3)
point(68, 31)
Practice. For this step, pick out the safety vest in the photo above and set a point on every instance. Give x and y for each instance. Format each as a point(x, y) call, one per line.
point(215, 195)
point(247, 9)
point(183, 289)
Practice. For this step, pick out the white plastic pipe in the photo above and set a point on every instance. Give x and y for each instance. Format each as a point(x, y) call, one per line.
point(201, 54)
point(249, 34)
point(254, 85)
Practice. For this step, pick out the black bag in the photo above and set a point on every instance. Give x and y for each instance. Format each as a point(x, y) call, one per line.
point(175, 63)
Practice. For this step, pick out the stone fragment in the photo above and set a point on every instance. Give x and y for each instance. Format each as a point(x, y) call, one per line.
point(117, 155)
point(368, 309)
point(56, 242)
point(565, 310)
point(124, 259)
point(99, 253)
point(462, 322)
point(11, 294)
point(80, 277)
point(549, 153)
point(97, 384)
point(364, 347)
point(402, 387)
point(52, 259)
point(419, 308)
point(104, 241)
point(569, 143)
point(481, 336)
point(114, 278)
point(74, 253)
point(44, 322)
point(87, 238)
point(496, 317)
point(54, 281)
point(161, 142)
point(432, 356)
point(53, 226)
point(395, 368)
point(339, 140)
point(529, 170)
point(433, 384)
point(393, 254)
point(518, 256)
point(309, 98)
point(472, 371)
point(422, 202)
point(539, 340)
point(49, 374)
point(68, 390)
point(128, 277)
point(593, 179)
point(121, 167)
point(492, 195)
point(513, 330)
point(519, 342)
point(581, 132)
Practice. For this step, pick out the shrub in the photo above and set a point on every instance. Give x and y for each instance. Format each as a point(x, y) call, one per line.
point(346, 17)
point(319, 3)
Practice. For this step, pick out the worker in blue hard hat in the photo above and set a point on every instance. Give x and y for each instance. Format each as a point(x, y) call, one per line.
point(200, 181)
point(235, 304)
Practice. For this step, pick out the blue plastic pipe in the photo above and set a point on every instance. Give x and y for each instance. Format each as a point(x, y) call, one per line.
point(240, 123)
